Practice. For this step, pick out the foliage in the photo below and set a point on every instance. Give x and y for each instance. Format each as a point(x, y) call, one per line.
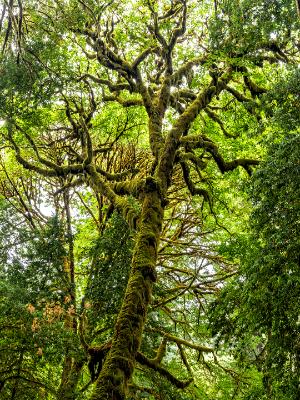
point(110, 255)
point(33, 337)
point(259, 313)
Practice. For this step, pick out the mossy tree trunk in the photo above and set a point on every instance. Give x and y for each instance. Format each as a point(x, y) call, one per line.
point(119, 364)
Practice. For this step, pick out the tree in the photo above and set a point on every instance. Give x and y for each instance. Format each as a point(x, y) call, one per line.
point(85, 80)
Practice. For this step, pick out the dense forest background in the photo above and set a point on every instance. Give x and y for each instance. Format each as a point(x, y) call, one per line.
point(149, 199)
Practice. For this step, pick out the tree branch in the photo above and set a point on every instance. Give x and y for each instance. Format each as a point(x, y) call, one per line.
point(143, 360)
point(212, 148)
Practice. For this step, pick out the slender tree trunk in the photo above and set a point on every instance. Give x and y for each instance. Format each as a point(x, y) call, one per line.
point(119, 364)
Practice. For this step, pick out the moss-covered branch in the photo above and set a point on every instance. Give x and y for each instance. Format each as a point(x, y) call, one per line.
point(253, 87)
point(191, 157)
point(177, 340)
point(117, 176)
point(182, 125)
point(75, 183)
point(186, 67)
point(184, 358)
point(194, 190)
point(63, 171)
point(250, 104)
point(117, 87)
point(124, 102)
point(201, 142)
point(143, 360)
point(54, 169)
point(161, 351)
point(212, 115)
point(143, 55)
point(134, 187)
point(121, 204)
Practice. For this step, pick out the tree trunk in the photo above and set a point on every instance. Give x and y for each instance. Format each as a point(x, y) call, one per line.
point(119, 364)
